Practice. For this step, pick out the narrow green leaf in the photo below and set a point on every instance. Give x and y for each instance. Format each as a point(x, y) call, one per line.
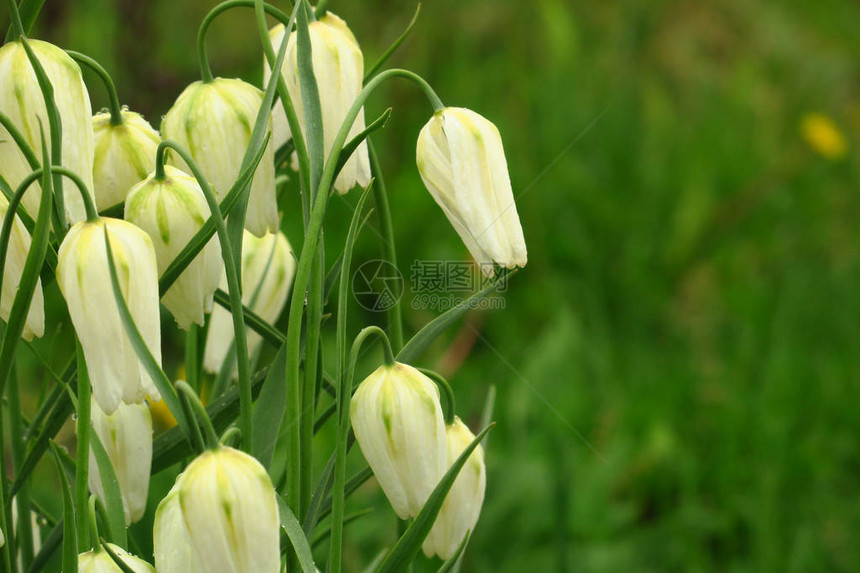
point(113, 495)
point(70, 547)
point(310, 99)
point(253, 321)
point(437, 326)
point(29, 10)
point(49, 546)
point(387, 54)
point(353, 143)
point(293, 529)
point(162, 382)
point(325, 533)
point(352, 484)
point(269, 412)
point(115, 558)
point(409, 544)
point(32, 267)
point(450, 564)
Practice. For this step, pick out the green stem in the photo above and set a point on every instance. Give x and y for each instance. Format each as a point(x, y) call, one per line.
point(17, 26)
point(201, 414)
point(94, 525)
point(82, 462)
point(231, 433)
point(196, 437)
point(246, 422)
point(115, 108)
point(321, 9)
point(202, 56)
point(192, 357)
point(386, 225)
point(443, 385)
point(24, 534)
point(5, 512)
point(312, 348)
point(92, 214)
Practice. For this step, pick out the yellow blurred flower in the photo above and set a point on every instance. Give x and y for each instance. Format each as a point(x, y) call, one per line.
point(823, 136)
point(161, 416)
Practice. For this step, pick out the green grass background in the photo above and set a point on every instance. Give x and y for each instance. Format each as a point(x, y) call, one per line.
point(678, 367)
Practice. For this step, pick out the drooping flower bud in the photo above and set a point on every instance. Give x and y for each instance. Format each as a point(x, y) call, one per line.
point(21, 100)
point(339, 72)
point(16, 257)
point(268, 267)
point(462, 506)
point(127, 438)
point(213, 121)
point(98, 561)
point(83, 276)
point(171, 211)
point(462, 162)
point(228, 503)
point(397, 419)
point(124, 155)
point(173, 551)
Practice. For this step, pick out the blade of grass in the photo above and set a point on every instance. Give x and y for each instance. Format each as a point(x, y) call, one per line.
point(437, 326)
point(387, 54)
point(293, 529)
point(409, 544)
point(70, 547)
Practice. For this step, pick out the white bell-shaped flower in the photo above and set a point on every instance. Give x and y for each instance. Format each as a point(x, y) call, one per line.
point(171, 211)
point(214, 121)
point(339, 72)
point(16, 257)
point(124, 155)
point(230, 512)
point(397, 420)
point(127, 438)
point(268, 267)
point(98, 561)
point(462, 506)
point(462, 162)
point(21, 100)
point(83, 276)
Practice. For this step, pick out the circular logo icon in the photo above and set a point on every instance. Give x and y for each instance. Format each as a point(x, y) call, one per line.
point(377, 285)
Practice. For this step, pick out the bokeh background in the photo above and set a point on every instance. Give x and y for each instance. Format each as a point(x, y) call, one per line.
point(678, 367)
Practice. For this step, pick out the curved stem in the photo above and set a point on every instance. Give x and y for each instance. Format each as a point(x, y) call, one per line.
point(200, 413)
point(232, 433)
point(235, 290)
point(115, 108)
point(82, 463)
point(17, 25)
point(446, 390)
point(322, 5)
point(94, 526)
point(92, 214)
point(202, 56)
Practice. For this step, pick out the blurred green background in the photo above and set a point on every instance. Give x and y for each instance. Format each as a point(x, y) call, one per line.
point(678, 367)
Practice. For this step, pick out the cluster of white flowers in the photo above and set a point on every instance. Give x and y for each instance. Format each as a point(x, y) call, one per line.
point(221, 514)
